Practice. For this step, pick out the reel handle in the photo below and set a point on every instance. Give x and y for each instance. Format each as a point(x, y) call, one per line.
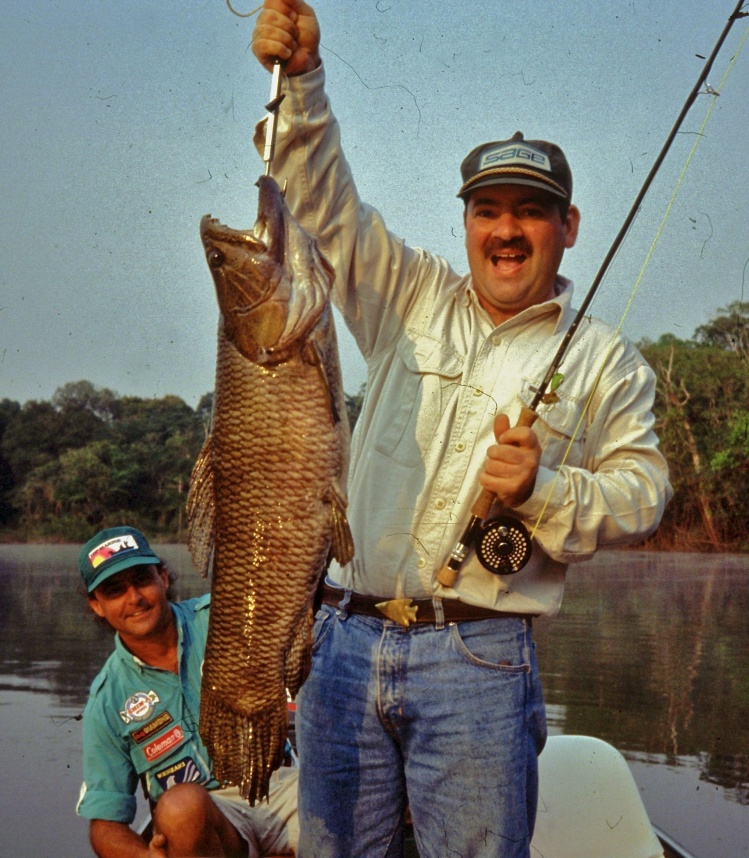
point(448, 574)
point(486, 498)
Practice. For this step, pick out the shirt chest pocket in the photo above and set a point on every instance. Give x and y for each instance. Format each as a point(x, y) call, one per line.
point(423, 380)
point(560, 427)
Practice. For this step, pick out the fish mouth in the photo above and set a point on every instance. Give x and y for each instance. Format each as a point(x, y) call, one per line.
point(266, 238)
point(212, 230)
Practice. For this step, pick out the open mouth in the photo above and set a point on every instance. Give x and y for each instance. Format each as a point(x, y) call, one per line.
point(507, 259)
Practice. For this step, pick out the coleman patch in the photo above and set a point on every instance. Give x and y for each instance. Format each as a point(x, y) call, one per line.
point(183, 772)
point(147, 730)
point(139, 706)
point(163, 744)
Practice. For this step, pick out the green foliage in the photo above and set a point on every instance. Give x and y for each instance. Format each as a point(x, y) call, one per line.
point(730, 330)
point(702, 424)
point(90, 458)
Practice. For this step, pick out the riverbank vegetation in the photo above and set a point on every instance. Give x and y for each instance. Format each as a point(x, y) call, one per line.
point(90, 458)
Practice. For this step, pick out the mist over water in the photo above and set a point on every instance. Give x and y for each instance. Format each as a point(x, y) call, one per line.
point(649, 653)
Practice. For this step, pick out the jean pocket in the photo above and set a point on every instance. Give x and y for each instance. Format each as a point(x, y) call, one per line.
point(494, 644)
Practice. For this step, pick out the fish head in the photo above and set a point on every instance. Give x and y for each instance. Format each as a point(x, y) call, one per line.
point(272, 282)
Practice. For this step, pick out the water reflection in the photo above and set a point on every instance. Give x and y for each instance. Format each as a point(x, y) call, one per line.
point(649, 653)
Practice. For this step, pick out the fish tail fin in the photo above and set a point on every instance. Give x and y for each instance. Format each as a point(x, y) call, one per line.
point(299, 656)
point(245, 749)
point(201, 510)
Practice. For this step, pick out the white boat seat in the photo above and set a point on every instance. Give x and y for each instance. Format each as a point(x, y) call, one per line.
point(589, 805)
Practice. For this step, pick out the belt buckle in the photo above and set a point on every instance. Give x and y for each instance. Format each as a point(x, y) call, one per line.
point(401, 611)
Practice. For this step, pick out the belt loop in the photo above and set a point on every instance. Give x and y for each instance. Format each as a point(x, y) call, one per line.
point(439, 613)
point(342, 606)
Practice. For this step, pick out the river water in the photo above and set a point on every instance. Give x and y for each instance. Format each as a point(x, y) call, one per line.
point(649, 653)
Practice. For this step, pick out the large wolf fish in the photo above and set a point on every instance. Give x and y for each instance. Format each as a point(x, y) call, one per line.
point(266, 501)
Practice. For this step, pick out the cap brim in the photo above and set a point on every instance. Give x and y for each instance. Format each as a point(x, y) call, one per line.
point(120, 566)
point(511, 179)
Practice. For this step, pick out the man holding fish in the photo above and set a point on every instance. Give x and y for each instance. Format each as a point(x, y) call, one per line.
point(424, 688)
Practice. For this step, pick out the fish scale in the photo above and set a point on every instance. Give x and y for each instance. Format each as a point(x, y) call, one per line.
point(266, 501)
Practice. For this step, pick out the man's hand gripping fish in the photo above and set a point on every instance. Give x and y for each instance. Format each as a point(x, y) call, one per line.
point(267, 497)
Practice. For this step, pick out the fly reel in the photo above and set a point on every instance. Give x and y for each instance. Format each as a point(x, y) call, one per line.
point(503, 545)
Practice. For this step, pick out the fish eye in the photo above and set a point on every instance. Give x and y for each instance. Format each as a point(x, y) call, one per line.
point(215, 258)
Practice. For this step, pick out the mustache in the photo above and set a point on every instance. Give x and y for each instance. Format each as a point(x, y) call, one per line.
point(516, 245)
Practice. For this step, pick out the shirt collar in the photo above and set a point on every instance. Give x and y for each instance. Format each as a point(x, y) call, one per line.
point(561, 304)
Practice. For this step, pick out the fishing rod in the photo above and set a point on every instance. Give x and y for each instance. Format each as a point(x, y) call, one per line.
point(503, 546)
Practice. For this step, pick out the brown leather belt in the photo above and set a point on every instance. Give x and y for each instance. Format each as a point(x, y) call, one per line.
point(417, 611)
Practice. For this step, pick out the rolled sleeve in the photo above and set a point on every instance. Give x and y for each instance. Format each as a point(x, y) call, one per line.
point(109, 781)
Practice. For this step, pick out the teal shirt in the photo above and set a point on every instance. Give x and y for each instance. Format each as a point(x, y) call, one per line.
point(141, 720)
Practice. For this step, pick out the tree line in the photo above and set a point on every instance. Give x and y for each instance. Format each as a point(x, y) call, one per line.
point(90, 458)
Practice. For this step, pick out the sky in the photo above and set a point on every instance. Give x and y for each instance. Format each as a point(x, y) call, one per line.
point(124, 122)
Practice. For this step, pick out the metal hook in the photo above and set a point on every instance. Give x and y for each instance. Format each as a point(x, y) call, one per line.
point(276, 97)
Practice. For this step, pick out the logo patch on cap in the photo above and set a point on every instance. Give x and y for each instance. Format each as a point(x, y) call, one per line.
point(515, 153)
point(108, 549)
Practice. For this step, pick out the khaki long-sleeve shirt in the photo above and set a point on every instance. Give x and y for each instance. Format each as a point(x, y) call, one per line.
point(438, 372)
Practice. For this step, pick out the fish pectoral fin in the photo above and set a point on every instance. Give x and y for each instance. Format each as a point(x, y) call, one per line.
point(201, 510)
point(343, 542)
point(298, 658)
point(313, 356)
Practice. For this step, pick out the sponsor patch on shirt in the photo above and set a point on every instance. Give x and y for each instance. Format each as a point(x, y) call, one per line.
point(147, 730)
point(164, 744)
point(139, 706)
point(183, 772)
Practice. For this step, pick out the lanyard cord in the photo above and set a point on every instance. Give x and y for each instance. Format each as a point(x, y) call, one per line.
point(559, 356)
point(503, 546)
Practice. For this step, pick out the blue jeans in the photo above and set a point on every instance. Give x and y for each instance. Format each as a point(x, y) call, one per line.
point(447, 719)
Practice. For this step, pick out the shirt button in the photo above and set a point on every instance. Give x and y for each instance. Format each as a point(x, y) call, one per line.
point(439, 504)
point(477, 391)
point(422, 563)
point(460, 446)
point(496, 339)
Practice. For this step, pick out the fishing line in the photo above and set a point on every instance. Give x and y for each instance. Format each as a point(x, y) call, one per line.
point(713, 98)
point(243, 14)
point(477, 529)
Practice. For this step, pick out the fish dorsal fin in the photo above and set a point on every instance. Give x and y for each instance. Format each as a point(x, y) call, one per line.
point(201, 510)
